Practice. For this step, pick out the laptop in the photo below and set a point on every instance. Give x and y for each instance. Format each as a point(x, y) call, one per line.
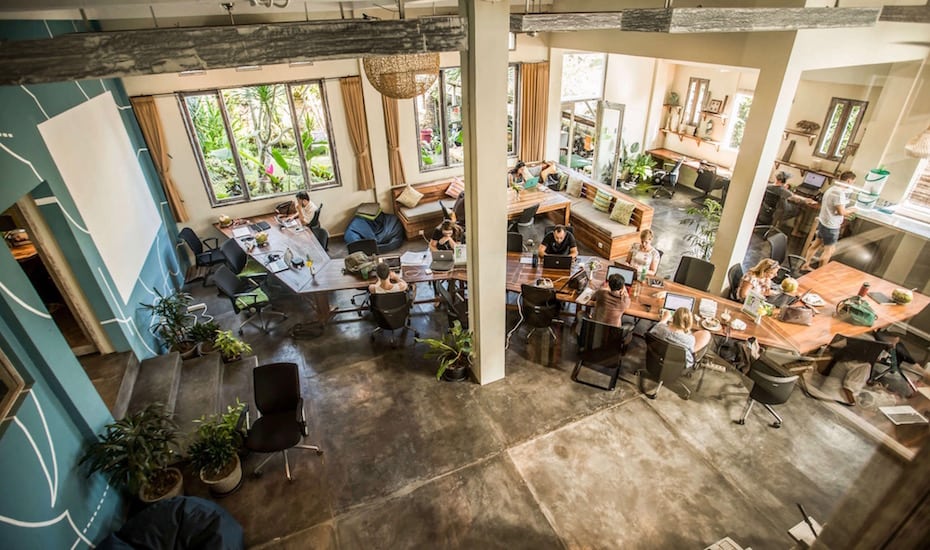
point(811, 185)
point(674, 301)
point(277, 264)
point(393, 262)
point(557, 261)
point(628, 273)
point(531, 183)
point(782, 300)
point(442, 260)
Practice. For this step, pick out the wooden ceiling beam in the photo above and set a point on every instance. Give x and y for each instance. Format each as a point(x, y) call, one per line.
point(114, 54)
point(906, 14)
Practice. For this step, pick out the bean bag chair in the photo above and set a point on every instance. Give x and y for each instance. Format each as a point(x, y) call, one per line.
point(385, 229)
point(178, 523)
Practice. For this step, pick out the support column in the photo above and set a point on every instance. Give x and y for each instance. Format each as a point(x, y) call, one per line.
point(484, 86)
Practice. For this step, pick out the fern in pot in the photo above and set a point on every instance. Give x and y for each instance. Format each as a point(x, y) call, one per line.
point(214, 453)
point(453, 351)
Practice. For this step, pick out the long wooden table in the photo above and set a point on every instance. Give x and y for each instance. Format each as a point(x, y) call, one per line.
point(548, 201)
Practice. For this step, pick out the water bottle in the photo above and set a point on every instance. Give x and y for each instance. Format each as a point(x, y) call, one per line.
point(535, 258)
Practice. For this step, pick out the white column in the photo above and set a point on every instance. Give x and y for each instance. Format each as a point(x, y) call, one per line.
point(484, 83)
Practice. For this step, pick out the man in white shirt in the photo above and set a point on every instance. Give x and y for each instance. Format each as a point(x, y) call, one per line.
point(833, 211)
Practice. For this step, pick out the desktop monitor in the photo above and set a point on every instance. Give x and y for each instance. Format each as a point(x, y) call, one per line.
point(627, 273)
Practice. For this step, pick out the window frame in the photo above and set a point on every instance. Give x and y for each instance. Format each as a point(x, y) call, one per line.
point(600, 94)
point(837, 137)
point(517, 104)
point(217, 94)
point(692, 111)
point(733, 118)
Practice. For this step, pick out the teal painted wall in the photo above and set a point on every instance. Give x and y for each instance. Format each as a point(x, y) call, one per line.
point(47, 501)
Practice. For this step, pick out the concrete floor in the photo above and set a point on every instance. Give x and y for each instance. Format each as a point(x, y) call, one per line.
point(534, 460)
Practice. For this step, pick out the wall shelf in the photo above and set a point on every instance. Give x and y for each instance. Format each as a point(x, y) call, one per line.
point(705, 114)
point(810, 137)
point(803, 169)
point(699, 140)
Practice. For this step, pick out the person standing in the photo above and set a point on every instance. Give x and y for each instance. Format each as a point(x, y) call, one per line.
point(833, 211)
point(610, 301)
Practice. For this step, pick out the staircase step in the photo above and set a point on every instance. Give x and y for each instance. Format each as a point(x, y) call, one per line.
point(158, 381)
point(198, 393)
point(237, 383)
point(113, 375)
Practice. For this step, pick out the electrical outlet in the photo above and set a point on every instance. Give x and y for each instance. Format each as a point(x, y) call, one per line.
point(600, 245)
point(420, 232)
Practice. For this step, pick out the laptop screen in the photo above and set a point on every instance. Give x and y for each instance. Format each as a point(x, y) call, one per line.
point(531, 182)
point(813, 179)
point(675, 301)
point(627, 273)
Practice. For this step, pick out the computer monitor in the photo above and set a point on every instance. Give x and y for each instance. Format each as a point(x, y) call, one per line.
point(814, 180)
point(627, 273)
point(674, 301)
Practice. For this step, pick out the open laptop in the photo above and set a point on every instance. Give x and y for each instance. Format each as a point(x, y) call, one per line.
point(393, 262)
point(557, 261)
point(277, 264)
point(674, 301)
point(811, 185)
point(782, 299)
point(442, 260)
point(628, 273)
point(531, 183)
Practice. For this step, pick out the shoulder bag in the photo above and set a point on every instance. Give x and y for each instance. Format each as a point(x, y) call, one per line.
point(856, 311)
point(796, 314)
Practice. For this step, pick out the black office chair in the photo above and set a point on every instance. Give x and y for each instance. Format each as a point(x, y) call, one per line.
point(315, 222)
point(538, 308)
point(245, 295)
point(283, 423)
point(909, 337)
point(694, 272)
point(601, 348)
point(665, 364)
point(525, 220)
point(457, 309)
point(514, 242)
point(446, 213)
point(735, 278)
point(207, 254)
point(240, 263)
point(369, 247)
point(391, 311)
point(766, 216)
point(707, 181)
point(667, 180)
point(789, 264)
point(769, 387)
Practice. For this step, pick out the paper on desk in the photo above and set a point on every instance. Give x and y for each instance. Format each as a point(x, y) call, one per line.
point(526, 260)
point(240, 232)
point(802, 531)
point(411, 258)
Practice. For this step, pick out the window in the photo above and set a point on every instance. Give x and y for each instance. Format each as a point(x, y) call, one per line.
point(917, 202)
point(695, 100)
point(742, 103)
point(438, 114)
point(260, 141)
point(839, 127)
point(583, 76)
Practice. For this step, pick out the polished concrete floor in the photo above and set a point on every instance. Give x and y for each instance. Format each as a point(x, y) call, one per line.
point(535, 460)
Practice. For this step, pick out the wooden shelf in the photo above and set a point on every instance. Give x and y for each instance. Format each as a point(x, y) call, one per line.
point(803, 169)
point(810, 137)
point(699, 140)
point(705, 114)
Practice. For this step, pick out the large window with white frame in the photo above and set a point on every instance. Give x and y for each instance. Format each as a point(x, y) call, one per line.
point(742, 103)
point(916, 203)
point(256, 142)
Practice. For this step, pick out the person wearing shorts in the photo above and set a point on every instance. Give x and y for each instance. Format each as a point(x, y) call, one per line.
point(833, 211)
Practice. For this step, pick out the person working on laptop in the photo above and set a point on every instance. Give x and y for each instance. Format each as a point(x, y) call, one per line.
point(676, 329)
point(304, 209)
point(549, 175)
point(388, 281)
point(610, 301)
point(446, 236)
point(787, 199)
point(518, 175)
point(759, 279)
point(833, 211)
point(560, 242)
point(643, 254)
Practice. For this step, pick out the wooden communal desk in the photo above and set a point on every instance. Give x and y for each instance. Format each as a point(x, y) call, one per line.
point(548, 201)
point(694, 163)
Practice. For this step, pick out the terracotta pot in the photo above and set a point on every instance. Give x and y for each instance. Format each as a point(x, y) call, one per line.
point(227, 484)
point(175, 490)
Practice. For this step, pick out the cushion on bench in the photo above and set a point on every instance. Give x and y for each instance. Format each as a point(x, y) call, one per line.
point(425, 210)
point(455, 188)
point(586, 211)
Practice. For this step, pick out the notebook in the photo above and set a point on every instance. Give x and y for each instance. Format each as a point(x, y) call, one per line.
point(811, 184)
point(531, 183)
point(674, 301)
point(627, 273)
point(557, 261)
point(277, 264)
point(241, 232)
point(442, 260)
point(260, 226)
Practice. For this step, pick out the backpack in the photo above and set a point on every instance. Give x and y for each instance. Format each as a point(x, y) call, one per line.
point(285, 209)
point(856, 311)
point(358, 263)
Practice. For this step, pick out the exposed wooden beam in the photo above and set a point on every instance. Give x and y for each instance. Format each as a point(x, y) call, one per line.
point(698, 20)
point(115, 54)
point(906, 14)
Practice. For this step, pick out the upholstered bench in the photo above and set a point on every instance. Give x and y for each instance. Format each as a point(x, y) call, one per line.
point(419, 206)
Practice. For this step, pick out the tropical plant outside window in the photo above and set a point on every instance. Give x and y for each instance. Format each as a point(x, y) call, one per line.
point(742, 104)
point(695, 100)
point(583, 76)
point(260, 141)
point(839, 128)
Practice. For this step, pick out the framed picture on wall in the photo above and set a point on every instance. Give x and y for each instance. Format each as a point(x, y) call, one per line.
point(714, 106)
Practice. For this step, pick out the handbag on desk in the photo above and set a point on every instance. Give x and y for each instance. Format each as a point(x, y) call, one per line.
point(856, 311)
point(796, 314)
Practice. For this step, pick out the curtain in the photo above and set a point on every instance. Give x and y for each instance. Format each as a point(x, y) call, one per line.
point(150, 124)
point(358, 128)
point(389, 105)
point(534, 92)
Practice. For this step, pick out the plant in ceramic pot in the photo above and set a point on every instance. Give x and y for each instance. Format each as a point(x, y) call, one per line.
point(134, 454)
point(172, 321)
point(229, 346)
point(453, 351)
point(204, 334)
point(214, 453)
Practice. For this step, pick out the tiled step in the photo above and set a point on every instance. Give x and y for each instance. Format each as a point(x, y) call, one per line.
point(158, 381)
point(237, 382)
point(198, 393)
point(113, 375)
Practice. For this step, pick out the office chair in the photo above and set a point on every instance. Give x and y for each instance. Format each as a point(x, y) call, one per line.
point(778, 251)
point(457, 309)
point(525, 220)
point(766, 217)
point(769, 387)
point(446, 213)
point(735, 278)
point(538, 308)
point(694, 272)
point(665, 363)
point(880, 353)
point(667, 180)
point(370, 248)
point(315, 221)
point(601, 348)
point(707, 181)
point(206, 252)
point(283, 423)
point(514, 242)
point(245, 295)
point(909, 337)
point(391, 311)
point(240, 263)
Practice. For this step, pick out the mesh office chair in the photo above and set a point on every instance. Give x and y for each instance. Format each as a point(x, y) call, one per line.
point(769, 387)
point(694, 272)
point(207, 254)
point(665, 364)
point(789, 265)
point(283, 423)
point(245, 295)
point(369, 247)
point(708, 182)
point(538, 308)
point(601, 348)
point(391, 311)
point(525, 220)
point(514, 242)
point(666, 181)
point(909, 337)
point(735, 278)
point(315, 220)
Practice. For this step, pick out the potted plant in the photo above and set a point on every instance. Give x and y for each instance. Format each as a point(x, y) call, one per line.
point(134, 454)
point(229, 346)
point(204, 334)
point(214, 452)
point(453, 351)
point(173, 322)
point(708, 223)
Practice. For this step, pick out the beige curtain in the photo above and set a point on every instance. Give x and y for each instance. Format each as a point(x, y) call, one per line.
point(534, 97)
point(150, 123)
point(358, 128)
point(389, 105)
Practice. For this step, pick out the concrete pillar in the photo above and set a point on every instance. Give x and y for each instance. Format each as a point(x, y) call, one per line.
point(484, 83)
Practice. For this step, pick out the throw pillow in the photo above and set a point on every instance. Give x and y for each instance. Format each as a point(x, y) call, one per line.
point(455, 188)
point(602, 200)
point(410, 197)
point(535, 170)
point(563, 181)
point(573, 187)
point(622, 212)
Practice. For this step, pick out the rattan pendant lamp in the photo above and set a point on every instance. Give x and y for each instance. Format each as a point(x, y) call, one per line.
point(402, 76)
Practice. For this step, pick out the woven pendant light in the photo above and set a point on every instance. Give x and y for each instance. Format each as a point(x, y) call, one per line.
point(402, 76)
point(919, 145)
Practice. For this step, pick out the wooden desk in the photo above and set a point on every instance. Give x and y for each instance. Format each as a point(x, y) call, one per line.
point(694, 163)
point(548, 201)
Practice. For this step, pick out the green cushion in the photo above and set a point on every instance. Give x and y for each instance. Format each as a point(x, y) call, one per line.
point(622, 212)
point(252, 268)
point(563, 181)
point(368, 210)
point(602, 200)
point(245, 302)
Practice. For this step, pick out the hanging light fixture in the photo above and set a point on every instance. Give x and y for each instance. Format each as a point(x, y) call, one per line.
point(919, 145)
point(402, 76)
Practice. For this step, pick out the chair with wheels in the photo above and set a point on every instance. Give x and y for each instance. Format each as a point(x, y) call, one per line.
point(789, 264)
point(766, 217)
point(525, 220)
point(240, 263)
point(734, 278)
point(694, 272)
point(665, 181)
point(514, 242)
point(207, 254)
point(245, 295)
point(283, 423)
point(446, 213)
point(708, 182)
point(391, 311)
point(601, 348)
point(315, 220)
point(370, 248)
point(538, 308)
point(665, 364)
point(769, 387)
